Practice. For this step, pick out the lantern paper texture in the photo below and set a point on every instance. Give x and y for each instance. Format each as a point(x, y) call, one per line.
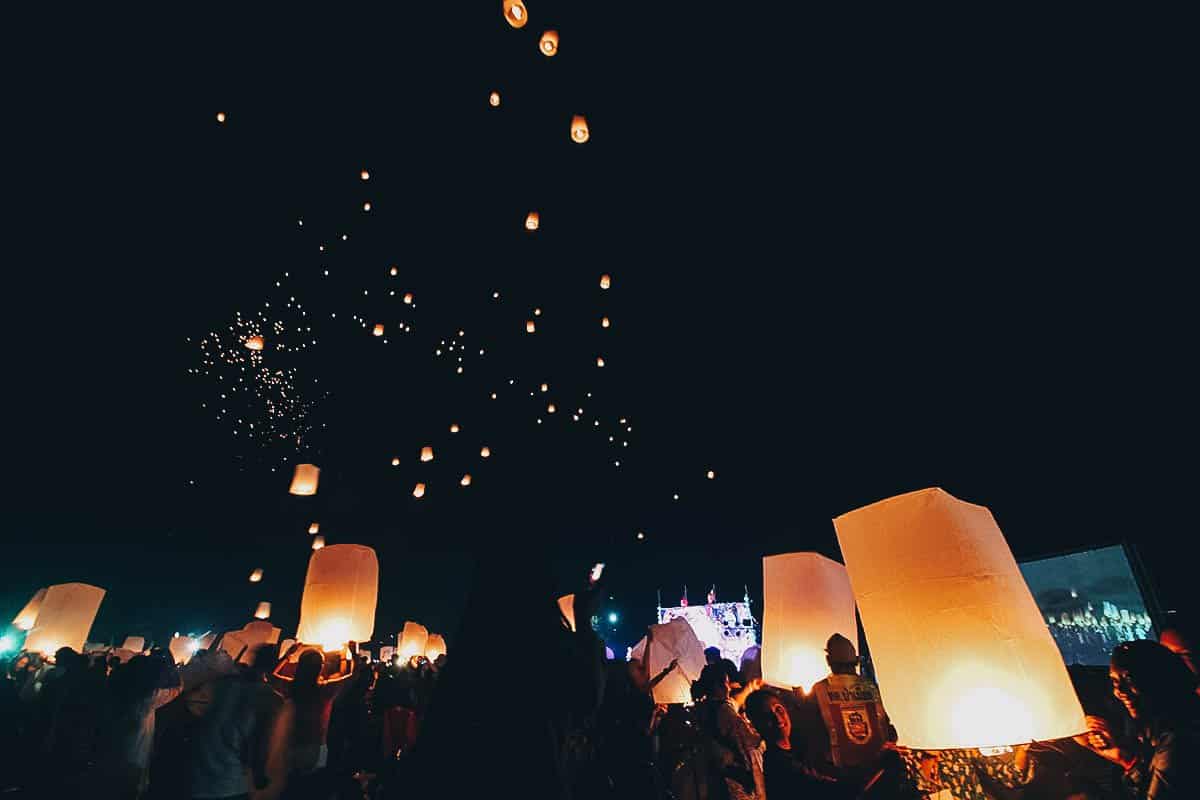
point(340, 591)
point(135, 644)
point(28, 615)
point(672, 640)
point(305, 479)
point(435, 646)
point(181, 648)
point(263, 611)
point(413, 639)
point(65, 618)
point(385, 654)
point(962, 654)
point(806, 599)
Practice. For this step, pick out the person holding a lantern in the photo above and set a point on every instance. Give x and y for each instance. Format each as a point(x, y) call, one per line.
point(785, 772)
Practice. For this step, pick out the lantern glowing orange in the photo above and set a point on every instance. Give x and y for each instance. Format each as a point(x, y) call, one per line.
point(393, 271)
point(412, 642)
point(65, 618)
point(181, 648)
point(710, 475)
point(466, 480)
point(28, 615)
point(134, 644)
point(545, 387)
point(604, 322)
point(548, 44)
point(605, 281)
point(408, 298)
point(256, 575)
point(395, 461)
point(340, 591)
point(419, 491)
point(435, 646)
point(427, 453)
point(378, 329)
point(515, 13)
point(318, 542)
point(599, 361)
point(220, 116)
point(254, 343)
point(550, 409)
point(579, 129)
point(806, 599)
point(305, 479)
point(530, 327)
point(961, 651)
point(485, 452)
point(263, 611)
point(494, 99)
point(532, 221)
point(314, 527)
point(454, 427)
point(366, 206)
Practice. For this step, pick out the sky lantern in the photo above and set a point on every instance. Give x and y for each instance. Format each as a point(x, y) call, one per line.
point(485, 452)
point(548, 44)
point(395, 461)
point(408, 298)
point(412, 641)
point(263, 611)
point(550, 409)
point(318, 542)
point(256, 575)
point(366, 206)
point(605, 281)
point(454, 427)
point(494, 100)
point(220, 116)
point(134, 644)
point(254, 343)
point(806, 599)
point(963, 656)
point(530, 327)
point(305, 479)
point(393, 272)
point(435, 646)
point(466, 480)
point(579, 129)
point(673, 640)
point(340, 591)
point(710, 475)
point(532, 221)
point(427, 453)
point(181, 648)
point(314, 527)
point(545, 387)
point(366, 176)
point(604, 323)
point(599, 361)
point(28, 615)
point(419, 491)
point(65, 618)
point(515, 13)
point(378, 329)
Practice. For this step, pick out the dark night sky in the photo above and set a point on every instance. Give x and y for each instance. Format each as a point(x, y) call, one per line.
point(848, 262)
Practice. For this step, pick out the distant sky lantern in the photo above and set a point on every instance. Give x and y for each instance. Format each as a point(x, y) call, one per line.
point(599, 361)
point(340, 591)
point(537, 312)
point(366, 176)
point(579, 129)
point(485, 452)
point(419, 491)
point(220, 116)
point(494, 99)
point(545, 387)
point(550, 409)
point(640, 536)
point(366, 206)
point(532, 221)
point(314, 527)
point(263, 611)
point(454, 427)
point(412, 641)
point(806, 599)
point(427, 453)
point(134, 644)
point(393, 271)
point(318, 542)
point(435, 646)
point(530, 326)
point(605, 281)
point(254, 343)
point(710, 475)
point(548, 44)
point(305, 479)
point(28, 615)
point(256, 575)
point(962, 654)
point(65, 618)
point(515, 13)
point(395, 461)
point(378, 329)
point(466, 479)
point(604, 323)
point(408, 298)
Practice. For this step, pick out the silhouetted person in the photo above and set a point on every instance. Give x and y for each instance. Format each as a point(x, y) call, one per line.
point(735, 759)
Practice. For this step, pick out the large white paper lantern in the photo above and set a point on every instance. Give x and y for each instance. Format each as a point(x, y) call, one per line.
point(413, 639)
point(962, 654)
point(65, 618)
point(28, 615)
point(806, 599)
point(673, 640)
point(135, 644)
point(340, 591)
point(435, 646)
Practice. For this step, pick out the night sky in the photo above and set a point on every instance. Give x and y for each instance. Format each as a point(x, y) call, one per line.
point(847, 262)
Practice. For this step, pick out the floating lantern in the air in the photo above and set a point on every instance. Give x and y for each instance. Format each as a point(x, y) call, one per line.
point(318, 542)
point(605, 281)
point(427, 453)
point(28, 615)
point(466, 480)
point(340, 591)
point(806, 599)
point(435, 646)
point(674, 640)
point(454, 427)
point(515, 13)
point(579, 129)
point(545, 387)
point(256, 575)
point(537, 312)
point(419, 491)
point(134, 644)
point(220, 116)
point(412, 642)
point(314, 527)
point(531, 221)
point(550, 409)
point(181, 648)
point(263, 611)
point(530, 327)
point(548, 44)
point(494, 99)
point(393, 272)
point(395, 461)
point(710, 475)
point(305, 479)
point(599, 361)
point(65, 618)
point(378, 329)
point(604, 323)
point(962, 654)
point(254, 343)
point(408, 298)
point(364, 175)
point(640, 536)
point(485, 452)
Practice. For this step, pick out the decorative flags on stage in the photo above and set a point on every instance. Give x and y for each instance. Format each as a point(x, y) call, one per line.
point(340, 591)
point(28, 615)
point(962, 654)
point(806, 599)
point(674, 640)
point(65, 618)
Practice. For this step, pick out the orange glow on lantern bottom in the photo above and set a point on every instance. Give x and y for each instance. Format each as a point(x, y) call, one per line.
point(333, 634)
point(805, 667)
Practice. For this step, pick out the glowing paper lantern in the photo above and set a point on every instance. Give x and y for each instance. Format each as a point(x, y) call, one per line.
point(65, 618)
point(466, 479)
point(485, 452)
point(134, 644)
point(675, 639)
point(435, 646)
point(566, 607)
point(419, 491)
point(413, 639)
point(710, 475)
point(604, 322)
point(318, 542)
point(340, 590)
point(531, 221)
point(494, 99)
point(254, 343)
point(378, 329)
point(605, 281)
point(181, 648)
point(408, 298)
point(395, 461)
point(393, 271)
point(454, 427)
point(806, 599)
point(515, 13)
point(545, 387)
point(256, 575)
point(305, 479)
point(579, 129)
point(550, 409)
point(427, 453)
point(220, 116)
point(961, 651)
point(548, 44)
point(263, 611)
point(314, 527)
point(364, 175)
point(599, 361)
point(530, 327)
point(28, 615)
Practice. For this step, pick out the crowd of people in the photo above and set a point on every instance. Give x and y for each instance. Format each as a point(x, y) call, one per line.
point(314, 724)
